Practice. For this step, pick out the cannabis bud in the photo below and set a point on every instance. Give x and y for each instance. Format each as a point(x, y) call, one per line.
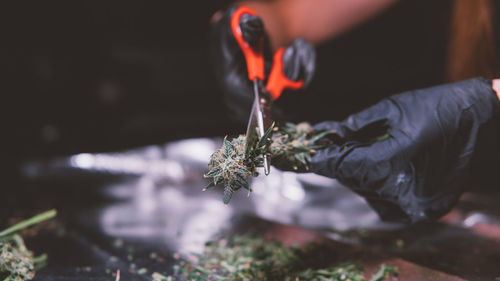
point(289, 145)
point(233, 163)
point(16, 259)
point(17, 263)
point(294, 145)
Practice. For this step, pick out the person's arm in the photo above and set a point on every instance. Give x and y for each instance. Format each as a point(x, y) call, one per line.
point(315, 21)
point(412, 155)
point(496, 87)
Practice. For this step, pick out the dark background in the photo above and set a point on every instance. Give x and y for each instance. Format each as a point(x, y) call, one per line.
point(103, 76)
point(96, 76)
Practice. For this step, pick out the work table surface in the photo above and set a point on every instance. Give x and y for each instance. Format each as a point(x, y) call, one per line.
point(134, 210)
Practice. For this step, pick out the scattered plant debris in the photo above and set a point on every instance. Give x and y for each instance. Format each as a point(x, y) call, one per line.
point(250, 258)
point(17, 263)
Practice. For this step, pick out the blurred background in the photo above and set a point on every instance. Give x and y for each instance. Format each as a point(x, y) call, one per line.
point(110, 111)
point(97, 76)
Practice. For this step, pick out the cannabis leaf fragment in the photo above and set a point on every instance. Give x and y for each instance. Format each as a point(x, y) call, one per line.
point(289, 145)
point(253, 258)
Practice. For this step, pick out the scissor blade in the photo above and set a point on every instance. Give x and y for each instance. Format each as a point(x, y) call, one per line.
point(253, 122)
point(255, 128)
point(252, 129)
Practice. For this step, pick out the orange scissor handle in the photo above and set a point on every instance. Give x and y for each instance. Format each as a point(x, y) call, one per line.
point(254, 58)
point(278, 81)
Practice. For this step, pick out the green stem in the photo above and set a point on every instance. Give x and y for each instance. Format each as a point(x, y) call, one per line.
point(41, 258)
point(7, 279)
point(40, 261)
point(31, 221)
point(19, 242)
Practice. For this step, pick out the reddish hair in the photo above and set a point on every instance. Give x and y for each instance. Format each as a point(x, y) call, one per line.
point(471, 50)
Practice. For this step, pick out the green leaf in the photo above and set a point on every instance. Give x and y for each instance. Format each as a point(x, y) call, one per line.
point(321, 135)
point(208, 186)
point(228, 148)
point(216, 170)
point(265, 138)
point(228, 193)
point(242, 181)
point(301, 158)
point(29, 222)
point(218, 179)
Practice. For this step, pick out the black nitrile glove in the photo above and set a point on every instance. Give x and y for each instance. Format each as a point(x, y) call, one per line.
point(417, 172)
point(230, 65)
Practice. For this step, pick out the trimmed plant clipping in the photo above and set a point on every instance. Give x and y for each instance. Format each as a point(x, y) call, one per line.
point(289, 145)
point(252, 258)
point(17, 263)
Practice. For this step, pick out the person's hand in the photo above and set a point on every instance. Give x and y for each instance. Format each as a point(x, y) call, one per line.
point(411, 155)
point(230, 65)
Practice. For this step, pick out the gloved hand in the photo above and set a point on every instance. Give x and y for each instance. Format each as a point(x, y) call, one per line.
point(418, 171)
point(230, 65)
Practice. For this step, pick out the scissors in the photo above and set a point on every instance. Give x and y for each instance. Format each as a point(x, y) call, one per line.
point(260, 117)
